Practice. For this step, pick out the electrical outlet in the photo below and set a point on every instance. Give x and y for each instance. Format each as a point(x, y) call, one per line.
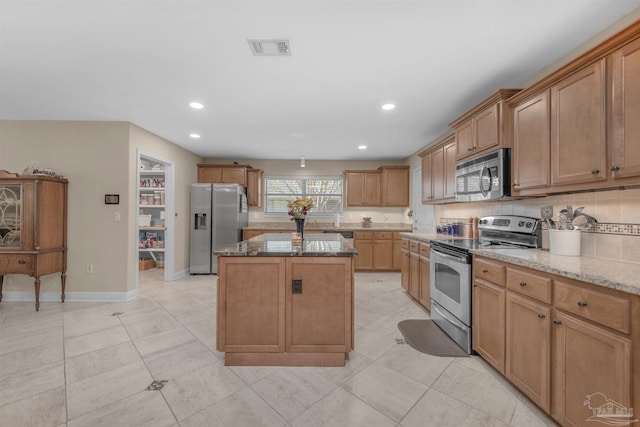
point(116, 216)
point(90, 268)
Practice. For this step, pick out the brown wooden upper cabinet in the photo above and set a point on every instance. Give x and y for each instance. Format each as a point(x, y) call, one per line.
point(244, 175)
point(578, 137)
point(438, 171)
point(395, 186)
point(223, 174)
point(531, 143)
point(388, 186)
point(254, 187)
point(624, 135)
point(486, 126)
point(577, 129)
point(363, 188)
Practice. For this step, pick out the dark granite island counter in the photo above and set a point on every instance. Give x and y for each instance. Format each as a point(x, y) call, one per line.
point(282, 304)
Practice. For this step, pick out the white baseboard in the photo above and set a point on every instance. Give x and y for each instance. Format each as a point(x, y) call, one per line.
point(180, 274)
point(71, 296)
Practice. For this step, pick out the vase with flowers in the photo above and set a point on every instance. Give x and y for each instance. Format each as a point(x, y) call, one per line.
point(298, 210)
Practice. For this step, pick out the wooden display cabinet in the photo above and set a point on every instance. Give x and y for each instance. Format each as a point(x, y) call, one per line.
point(33, 228)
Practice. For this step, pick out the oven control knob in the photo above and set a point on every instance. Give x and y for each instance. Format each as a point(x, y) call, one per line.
point(529, 224)
point(521, 224)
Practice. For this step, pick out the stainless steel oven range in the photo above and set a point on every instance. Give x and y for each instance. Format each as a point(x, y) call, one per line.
point(451, 273)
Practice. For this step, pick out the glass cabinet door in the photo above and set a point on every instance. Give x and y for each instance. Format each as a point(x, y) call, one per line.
point(10, 215)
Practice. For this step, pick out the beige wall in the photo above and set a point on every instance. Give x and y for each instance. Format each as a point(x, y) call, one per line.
point(186, 172)
point(323, 167)
point(92, 156)
point(97, 158)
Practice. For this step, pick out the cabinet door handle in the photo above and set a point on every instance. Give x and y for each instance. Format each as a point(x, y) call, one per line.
point(485, 271)
point(595, 171)
point(470, 149)
point(582, 303)
point(615, 168)
point(475, 286)
point(541, 315)
point(557, 322)
point(523, 283)
point(22, 262)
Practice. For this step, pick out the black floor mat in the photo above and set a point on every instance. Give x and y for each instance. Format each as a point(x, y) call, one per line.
point(427, 337)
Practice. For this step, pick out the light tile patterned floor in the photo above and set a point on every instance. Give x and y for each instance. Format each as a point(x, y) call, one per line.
point(78, 364)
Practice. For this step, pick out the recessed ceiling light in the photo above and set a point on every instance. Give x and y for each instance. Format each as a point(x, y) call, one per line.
point(194, 135)
point(388, 106)
point(196, 105)
point(362, 147)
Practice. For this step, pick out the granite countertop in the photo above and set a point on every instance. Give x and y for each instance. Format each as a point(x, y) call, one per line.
point(279, 244)
point(610, 273)
point(328, 226)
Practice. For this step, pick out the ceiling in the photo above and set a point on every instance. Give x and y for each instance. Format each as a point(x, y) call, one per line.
point(143, 61)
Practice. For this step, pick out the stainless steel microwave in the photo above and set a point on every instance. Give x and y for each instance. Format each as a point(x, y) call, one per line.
point(484, 178)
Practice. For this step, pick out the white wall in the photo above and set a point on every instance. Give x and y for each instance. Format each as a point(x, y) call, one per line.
point(323, 167)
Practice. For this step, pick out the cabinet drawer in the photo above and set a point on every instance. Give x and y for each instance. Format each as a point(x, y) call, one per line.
point(608, 310)
point(363, 235)
point(17, 263)
point(492, 271)
point(414, 246)
point(425, 249)
point(529, 284)
point(383, 235)
point(396, 235)
point(405, 244)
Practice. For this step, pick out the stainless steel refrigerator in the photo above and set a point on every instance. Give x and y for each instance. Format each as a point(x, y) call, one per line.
point(218, 214)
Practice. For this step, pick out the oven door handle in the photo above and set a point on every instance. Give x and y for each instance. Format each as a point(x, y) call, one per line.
point(452, 257)
point(445, 317)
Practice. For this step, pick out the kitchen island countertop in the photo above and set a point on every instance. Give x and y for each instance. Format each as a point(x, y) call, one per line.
point(278, 244)
point(328, 226)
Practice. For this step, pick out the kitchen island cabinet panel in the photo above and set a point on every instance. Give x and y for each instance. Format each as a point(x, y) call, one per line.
point(320, 315)
point(286, 304)
point(251, 292)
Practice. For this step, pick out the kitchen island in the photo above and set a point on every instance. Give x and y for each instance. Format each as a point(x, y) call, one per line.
point(286, 304)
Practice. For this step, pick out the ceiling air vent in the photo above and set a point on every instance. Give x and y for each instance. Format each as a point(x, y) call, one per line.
point(270, 47)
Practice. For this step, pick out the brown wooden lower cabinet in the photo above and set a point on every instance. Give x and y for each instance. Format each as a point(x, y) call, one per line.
point(528, 338)
point(414, 275)
point(261, 321)
point(488, 322)
point(568, 345)
point(587, 360)
point(425, 277)
point(404, 271)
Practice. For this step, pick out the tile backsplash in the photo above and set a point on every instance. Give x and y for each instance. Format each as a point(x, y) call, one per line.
point(617, 235)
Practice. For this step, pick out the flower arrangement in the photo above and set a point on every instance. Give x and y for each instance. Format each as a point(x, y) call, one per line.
point(300, 207)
